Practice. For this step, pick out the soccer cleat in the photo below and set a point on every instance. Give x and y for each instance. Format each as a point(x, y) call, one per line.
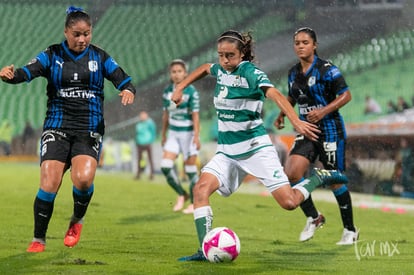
point(73, 234)
point(189, 209)
point(310, 227)
point(36, 247)
point(329, 177)
point(348, 237)
point(196, 257)
point(180, 203)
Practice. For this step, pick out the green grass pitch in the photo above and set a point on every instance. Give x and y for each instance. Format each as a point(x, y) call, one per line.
point(130, 229)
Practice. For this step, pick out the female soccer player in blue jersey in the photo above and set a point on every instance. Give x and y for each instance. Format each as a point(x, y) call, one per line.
point(74, 123)
point(319, 90)
point(244, 147)
point(183, 126)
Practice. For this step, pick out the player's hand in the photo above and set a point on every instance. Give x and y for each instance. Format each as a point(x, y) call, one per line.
point(127, 97)
point(177, 96)
point(315, 116)
point(307, 129)
point(196, 141)
point(279, 122)
point(7, 72)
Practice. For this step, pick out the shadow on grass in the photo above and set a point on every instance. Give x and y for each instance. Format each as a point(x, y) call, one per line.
point(286, 256)
point(281, 260)
point(156, 217)
point(31, 263)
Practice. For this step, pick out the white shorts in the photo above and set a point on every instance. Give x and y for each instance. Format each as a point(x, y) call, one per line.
point(181, 142)
point(264, 165)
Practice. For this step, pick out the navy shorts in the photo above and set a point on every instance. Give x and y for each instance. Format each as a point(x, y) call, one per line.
point(331, 154)
point(64, 145)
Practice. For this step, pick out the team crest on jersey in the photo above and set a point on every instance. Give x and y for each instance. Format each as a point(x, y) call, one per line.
point(311, 81)
point(93, 66)
point(34, 60)
point(237, 81)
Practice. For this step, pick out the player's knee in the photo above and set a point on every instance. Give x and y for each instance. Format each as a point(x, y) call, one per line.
point(166, 166)
point(201, 191)
point(288, 204)
point(82, 181)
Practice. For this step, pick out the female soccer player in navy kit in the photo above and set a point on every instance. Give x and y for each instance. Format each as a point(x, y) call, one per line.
point(74, 123)
point(319, 90)
point(243, 145)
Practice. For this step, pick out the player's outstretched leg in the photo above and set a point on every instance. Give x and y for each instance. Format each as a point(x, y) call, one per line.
point(329, 177)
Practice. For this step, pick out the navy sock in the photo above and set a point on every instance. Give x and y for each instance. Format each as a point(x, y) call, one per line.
point(343, 197)
point(81, 201)
point(42, 209)
point(307, 206)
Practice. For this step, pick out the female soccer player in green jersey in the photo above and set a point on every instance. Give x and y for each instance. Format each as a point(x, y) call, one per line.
point(243, 146)
point(183, 126)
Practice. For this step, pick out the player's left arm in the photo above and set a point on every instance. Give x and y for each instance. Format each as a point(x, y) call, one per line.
point(317, 115)
point(122, 82)
point(127, 97)
point(335, 87)
point(120, 79)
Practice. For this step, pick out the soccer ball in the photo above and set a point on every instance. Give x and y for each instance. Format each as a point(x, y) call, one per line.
point(221, 244)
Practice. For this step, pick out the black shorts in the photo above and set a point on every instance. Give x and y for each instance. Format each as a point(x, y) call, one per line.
point(331, 154)
point(64, 145)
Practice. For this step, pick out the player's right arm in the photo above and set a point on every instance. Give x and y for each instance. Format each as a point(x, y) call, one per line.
point(14, 76)
point(195, 75)
point(164, 127)
point(35, 68)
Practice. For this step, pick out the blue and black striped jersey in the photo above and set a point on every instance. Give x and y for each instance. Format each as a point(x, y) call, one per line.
point(319, 86)
point(75, 85)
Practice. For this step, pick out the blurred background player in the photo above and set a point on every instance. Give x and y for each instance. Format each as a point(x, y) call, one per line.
point(74, 123)
point(183, 125)
point(319, 90)
point(145, 135)
point(243, 146)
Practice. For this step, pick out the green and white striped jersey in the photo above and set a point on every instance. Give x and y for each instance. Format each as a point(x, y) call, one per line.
point(238, 100)
point(181, 117)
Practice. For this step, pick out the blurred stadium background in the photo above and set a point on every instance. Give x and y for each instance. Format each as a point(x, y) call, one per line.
point(371, 41)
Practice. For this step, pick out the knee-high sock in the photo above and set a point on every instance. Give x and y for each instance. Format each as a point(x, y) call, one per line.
point(307, 206)
point(343, 197)
point(171, 176)
point(43, 210)
point(191, 171)
point(203, 219)
point(81, 201)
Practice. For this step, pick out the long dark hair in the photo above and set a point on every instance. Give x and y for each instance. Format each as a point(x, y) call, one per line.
point(244, 42)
